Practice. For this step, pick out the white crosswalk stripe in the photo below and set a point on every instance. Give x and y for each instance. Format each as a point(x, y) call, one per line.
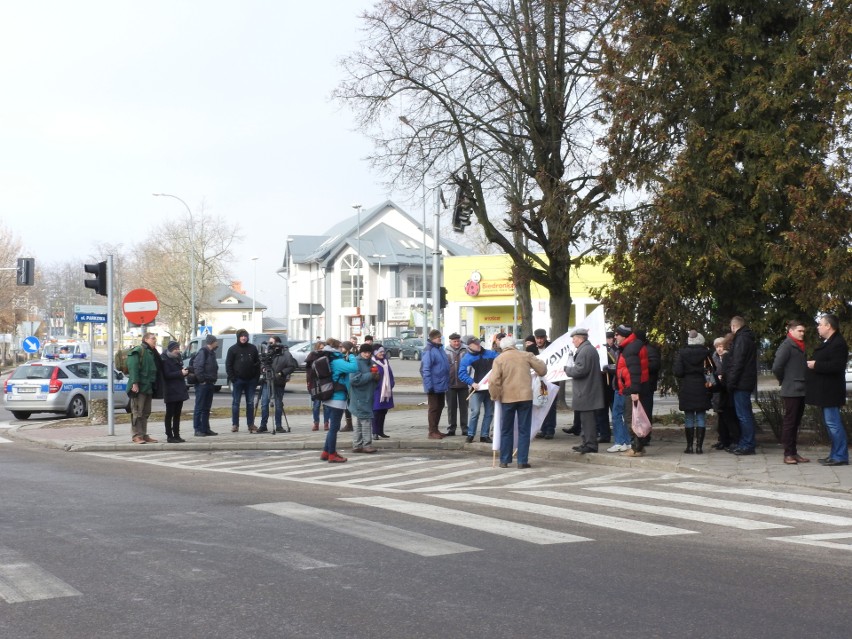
point(391, 536)
point(676, 513)
point(3, 440)
point(21, 580)
point(522, 532)
point(823, 541)
point(591, 519)
point(697, 500)
point(810, 500)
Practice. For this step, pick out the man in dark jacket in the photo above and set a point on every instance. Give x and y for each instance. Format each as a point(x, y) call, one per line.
point(457, 391)
point(789, 369)
point(142, 381)
point(586, 387)
point(632, 377)
point(742, 382)
point(242, 365)
point(825, 386)
point(472, 370)
point(548, 425)
point(281, 364)
point(206, 370)
point(435, 371)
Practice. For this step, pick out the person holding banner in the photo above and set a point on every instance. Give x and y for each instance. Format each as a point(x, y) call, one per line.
point(474, 367)
point(586, 388)
point(548, 426)
point(509, 383)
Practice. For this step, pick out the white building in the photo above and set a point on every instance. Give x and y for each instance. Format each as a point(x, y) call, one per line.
point(365, 275)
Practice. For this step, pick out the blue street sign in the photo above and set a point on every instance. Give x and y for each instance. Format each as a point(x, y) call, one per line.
point(94, 318)
point(31, 344)
point(205, 330)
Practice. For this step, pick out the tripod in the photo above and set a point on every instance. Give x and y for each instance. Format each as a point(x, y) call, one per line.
point(269, 387)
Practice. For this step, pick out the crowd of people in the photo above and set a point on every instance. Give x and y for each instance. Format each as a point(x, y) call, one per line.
point(467, 378)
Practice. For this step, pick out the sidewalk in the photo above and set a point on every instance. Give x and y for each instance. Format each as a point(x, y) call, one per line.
point(407, 429)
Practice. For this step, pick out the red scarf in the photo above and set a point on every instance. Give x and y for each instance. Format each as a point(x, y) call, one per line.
point(797, 342)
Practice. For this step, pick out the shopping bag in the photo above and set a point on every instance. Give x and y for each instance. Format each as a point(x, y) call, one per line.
point(641, 424)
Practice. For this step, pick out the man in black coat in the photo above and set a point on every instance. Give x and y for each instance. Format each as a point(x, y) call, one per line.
point(825, 386)
point(242, 363)
point(742, 382)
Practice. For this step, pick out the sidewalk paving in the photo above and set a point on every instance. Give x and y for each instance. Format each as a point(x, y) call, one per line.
point(407, 429)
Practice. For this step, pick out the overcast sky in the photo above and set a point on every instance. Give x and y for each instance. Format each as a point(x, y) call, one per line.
point(104, 102)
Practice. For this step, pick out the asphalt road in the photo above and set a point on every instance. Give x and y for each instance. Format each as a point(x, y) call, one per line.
point(250, 544)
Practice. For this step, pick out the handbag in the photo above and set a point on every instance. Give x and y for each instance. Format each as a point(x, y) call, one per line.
point(641, 424)
point(710, 379)
point(540, 394)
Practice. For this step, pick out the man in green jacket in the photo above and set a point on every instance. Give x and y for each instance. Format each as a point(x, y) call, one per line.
point(141, 380)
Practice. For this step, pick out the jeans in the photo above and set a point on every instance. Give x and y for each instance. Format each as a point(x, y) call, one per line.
point(523, 411)
point(203, 402)
point(745, 416)
point(278, 393)
point(335, 417)
point(619, 428)
point(238, 388)
point(479, 400)
point(694, 418)
point(315, 409)
point(839, 447)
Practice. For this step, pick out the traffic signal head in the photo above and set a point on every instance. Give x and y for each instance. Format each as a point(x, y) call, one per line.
point(443, 300)
point(26, 271)
point(463, 208)
point(99, 283)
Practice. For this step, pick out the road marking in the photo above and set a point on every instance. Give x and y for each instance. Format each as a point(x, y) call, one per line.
point(810, 500)
point(391, 536)
point(368, 467)
point(458, 473)
point(677, 513)
point(592, 519)
point(22, 580)
point(697, 500)
point(3, 440)
point(480, 523)
point(818, 540)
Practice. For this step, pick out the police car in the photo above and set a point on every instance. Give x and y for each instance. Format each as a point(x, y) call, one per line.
point(59, 386)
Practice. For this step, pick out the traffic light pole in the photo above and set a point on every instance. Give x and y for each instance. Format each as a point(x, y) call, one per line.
point(110, 353)
point(436, 261)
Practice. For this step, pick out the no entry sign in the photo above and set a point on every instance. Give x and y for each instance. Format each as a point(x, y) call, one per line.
point(140, 306)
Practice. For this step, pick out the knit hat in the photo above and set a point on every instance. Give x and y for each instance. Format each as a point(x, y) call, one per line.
point(695, 338)
point(210, 339)
point(624, 331)
point(366, 348)
point(173, 346)
point(540, 332)
point(378, 348)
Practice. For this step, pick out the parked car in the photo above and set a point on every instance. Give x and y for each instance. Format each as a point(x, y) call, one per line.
point(226, 340)
point(412, 348)
point(61, 387)
point(393, 347)
point(300, 351)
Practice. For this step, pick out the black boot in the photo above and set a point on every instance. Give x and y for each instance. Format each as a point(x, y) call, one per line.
point(699, 440)
point(690, 433)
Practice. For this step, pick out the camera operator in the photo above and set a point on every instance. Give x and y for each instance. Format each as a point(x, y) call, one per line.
point(277, 364)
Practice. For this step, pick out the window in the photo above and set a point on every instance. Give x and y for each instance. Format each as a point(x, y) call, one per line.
point(414, 284)
point(350, 283)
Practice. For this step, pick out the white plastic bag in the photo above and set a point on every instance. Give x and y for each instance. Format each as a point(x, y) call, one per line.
point(641, 424)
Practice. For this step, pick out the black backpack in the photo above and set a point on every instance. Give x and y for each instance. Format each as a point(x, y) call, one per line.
point(192, 378)
point(322, 385)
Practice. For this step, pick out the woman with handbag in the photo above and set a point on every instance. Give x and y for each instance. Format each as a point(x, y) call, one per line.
point(693, 394)
point(383, 395)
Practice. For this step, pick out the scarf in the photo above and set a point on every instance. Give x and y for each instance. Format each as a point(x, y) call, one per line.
point(797, 342)
point(385, 389)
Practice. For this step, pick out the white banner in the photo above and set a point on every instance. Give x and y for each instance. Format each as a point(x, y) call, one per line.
point(538, 415)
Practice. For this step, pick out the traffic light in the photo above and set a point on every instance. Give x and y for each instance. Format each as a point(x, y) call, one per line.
point(381, 311)
point(465, 202)
point(99, 283)
point(443, 297)
point(26, 271)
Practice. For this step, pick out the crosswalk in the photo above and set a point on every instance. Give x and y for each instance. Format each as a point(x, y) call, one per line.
point(556, 504)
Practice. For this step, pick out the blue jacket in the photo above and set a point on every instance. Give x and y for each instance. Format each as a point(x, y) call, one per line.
point(435, 369)
point(479, 364)
point(341, 368)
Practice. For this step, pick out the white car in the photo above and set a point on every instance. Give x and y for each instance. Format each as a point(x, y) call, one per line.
point(849, 377)
point(300, 352)
point(61, 387)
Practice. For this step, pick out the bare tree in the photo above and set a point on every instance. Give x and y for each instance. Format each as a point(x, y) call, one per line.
point(503, 91)
point(163, 263)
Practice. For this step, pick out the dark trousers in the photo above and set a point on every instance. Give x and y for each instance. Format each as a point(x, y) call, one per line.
point(435, 404)
point(794, 409)
point(173, 410)
point(457, 408)
point(379, 421)
point(637, 443)
point(548, 424)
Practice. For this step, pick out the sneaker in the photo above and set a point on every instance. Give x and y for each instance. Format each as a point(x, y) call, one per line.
point(634, 453)
point(325, 426)
point(625, 448)
point(334, 458)
point(324, 456)
point(252, 429)
point(315, 426)
point(235, 429)
point(615, 448)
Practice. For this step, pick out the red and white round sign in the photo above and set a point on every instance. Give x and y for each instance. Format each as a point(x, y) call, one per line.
point(140, 306)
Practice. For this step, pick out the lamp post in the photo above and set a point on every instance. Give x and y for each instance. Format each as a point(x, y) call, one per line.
point(378, 283)
point(357, 304)
point(191, 261)
point(254, 291)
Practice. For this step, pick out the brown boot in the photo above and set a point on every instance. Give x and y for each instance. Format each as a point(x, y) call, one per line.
point(315, 426)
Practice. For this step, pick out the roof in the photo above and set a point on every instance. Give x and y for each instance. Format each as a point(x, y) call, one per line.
point(223, 297)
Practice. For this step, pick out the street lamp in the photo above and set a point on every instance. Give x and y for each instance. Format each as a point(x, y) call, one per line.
point(254, 290)
point(378, 282)
point(357, 207)
point(191, 262)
